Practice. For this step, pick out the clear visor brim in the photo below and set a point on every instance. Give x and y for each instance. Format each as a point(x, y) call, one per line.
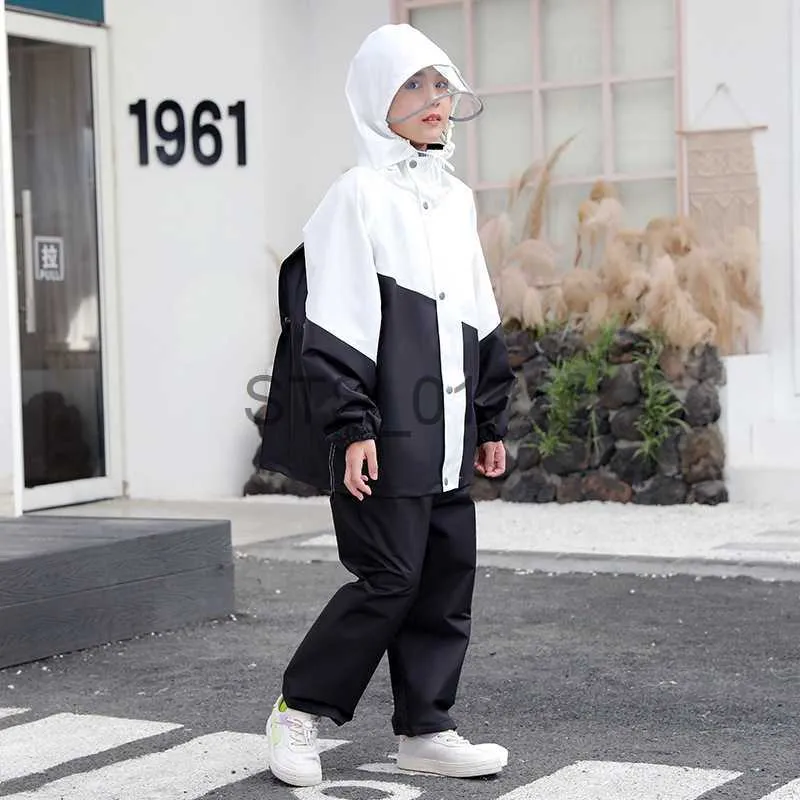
point(418, 95)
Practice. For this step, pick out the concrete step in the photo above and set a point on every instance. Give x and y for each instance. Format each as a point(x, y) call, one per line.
point(69, 583)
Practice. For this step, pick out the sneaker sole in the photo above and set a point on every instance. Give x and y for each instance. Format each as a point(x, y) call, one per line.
point(293, 779)
point(489, 766)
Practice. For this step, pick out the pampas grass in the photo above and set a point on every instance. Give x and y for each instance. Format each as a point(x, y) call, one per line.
point(495, 236)
point(533, 315)
point(536, 260)
point(579, 287)
point(658, 278)
point(533, 229)
point(598, 222)
point(669, 309)
point(511, 291)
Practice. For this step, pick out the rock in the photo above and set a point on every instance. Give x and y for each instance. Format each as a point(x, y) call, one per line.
point(702, 404)
point(704, 364)
point(669, 457)
point(518, 428)
point(263, 481)
point(606, 488)
point(521, 346)
point(259, 417)
point(511, 462)
point(483, 489)
point(662, 491)
point(518, 402)
point(538, 411)
point(709, 493)
point(536, 373)
point(299, 489)
point(528, 455)
point(601, 451)
point(603, 421)
point(625, 344)
point(622, 388)
point(630, 466)
point(570, 490)
point(582, 424)
point(560, 345)
point(573, 458)
point(702, 453)
point(623, 424)
point(531, 486)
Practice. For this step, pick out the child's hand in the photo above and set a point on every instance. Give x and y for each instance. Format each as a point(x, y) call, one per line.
point(490, 459)
point(355, 482)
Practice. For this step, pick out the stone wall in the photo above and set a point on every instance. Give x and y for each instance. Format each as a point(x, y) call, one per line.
point(603, 462)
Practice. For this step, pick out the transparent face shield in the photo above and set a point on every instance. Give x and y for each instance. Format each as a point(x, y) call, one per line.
point(428, 89)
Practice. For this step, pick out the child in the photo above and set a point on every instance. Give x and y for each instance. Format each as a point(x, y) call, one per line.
point(407, 371)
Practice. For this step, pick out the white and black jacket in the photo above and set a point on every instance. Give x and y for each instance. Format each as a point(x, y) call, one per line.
point(401, 336)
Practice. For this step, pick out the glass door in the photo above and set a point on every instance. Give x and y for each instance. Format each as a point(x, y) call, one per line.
point(62, 264)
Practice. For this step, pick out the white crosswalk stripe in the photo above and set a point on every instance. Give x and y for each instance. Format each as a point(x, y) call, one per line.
point(36, 746)
point(12, 712)
point(789, 792)
point(193, 769)
point(188, 771)
point(609, 780)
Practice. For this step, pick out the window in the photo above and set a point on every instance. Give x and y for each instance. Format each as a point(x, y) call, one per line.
point(606, 70)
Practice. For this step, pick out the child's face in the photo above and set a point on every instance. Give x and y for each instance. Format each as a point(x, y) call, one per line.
point(428, 120)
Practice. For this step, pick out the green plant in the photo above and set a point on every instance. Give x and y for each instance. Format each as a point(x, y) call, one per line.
point(661, 409)
point(573, 384)
point(563, 399)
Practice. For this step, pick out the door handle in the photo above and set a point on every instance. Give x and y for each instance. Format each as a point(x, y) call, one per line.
point(27, 261)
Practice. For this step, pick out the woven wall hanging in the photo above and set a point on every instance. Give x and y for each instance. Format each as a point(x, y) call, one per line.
point(722, 177)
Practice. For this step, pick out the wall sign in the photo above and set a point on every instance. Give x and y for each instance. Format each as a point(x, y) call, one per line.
point(175, 128)
point(48, 254)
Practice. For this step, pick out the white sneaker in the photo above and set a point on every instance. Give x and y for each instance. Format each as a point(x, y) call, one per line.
point(292, 745)
point(449, 754)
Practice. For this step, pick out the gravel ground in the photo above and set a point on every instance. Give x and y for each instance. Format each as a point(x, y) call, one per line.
point(730, 531)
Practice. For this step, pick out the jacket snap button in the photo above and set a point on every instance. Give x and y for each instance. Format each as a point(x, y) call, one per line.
point(445, 481)
point(425, 205)
point(449, 390)
point(412, 164)
point(441, 295)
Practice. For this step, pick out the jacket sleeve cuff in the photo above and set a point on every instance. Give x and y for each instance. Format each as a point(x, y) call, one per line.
point(355, 432)
point(492, 431)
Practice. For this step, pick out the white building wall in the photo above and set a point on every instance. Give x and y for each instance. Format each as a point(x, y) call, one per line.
point(197, 274)
point(195, 277)
point(336, 29)
point(750, 51)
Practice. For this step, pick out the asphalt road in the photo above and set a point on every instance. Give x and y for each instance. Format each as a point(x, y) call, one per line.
point(699, 674)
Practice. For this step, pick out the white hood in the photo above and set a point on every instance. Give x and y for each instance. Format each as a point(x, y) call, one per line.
point(385, 60)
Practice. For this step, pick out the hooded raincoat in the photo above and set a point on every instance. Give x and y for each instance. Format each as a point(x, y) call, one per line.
point(402, 339)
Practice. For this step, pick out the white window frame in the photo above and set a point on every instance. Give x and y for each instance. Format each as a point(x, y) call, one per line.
point(607, 80)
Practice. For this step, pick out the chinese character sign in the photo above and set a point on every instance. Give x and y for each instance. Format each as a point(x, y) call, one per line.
point(49, 254)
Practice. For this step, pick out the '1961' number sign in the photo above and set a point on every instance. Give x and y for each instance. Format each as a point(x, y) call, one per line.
point(170, 124)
